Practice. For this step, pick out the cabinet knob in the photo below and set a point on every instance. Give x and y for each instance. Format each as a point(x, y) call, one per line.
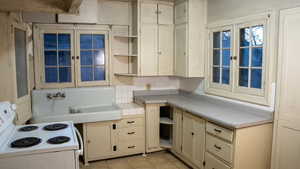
point(131, 133)
point(192, 133)
point(217, 130)
point(89, 141)
point(217, 147)
point(130, 122)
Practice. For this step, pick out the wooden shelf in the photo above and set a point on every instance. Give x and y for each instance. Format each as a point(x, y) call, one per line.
point(126, 74)
point(165, 143)
point(165, 120)
point(125, 36)
point(131, 55)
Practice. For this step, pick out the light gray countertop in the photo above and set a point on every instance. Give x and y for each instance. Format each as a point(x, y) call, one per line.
point(225, 113)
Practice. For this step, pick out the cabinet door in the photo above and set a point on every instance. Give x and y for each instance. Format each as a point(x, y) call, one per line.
point(288, 146)
point(152, 128)
point(165, 14)
point(199, 142)
point(149, 13)
point(149, 56)
point(187, 136)
point(181, 13)
point(180, 50)
point(165, 51)
point(177, 130)
point(99, 139)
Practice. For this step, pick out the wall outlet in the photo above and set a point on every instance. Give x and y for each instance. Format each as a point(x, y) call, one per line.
point(148, 86)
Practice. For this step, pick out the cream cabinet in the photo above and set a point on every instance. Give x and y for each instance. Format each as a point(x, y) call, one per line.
point(287, 129)
point(156, 38)
point(111, 139)
point(190, 20)
point(152, 127)
point(177, 130)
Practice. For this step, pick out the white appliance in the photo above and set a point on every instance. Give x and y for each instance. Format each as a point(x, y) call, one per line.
point(37, 146)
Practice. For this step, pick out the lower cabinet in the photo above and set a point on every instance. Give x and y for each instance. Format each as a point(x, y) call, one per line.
point(152, 127)
point(110, 139)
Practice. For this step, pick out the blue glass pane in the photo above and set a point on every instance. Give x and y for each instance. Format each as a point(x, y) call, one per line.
point(217, 39)
point(50, 58)
point(216, 57)
point(243, 77)
point(65, 74)
point(257, 54)
point(64, 58)
point(98, 41)
point(86, 58)
point(99, 57)
point(244, 37)
point(225, 76)
point(258, 35)
point(50, 41)
point(226, 57)
point(86, 74)
point(51, 75)
point(99, 73)
point(216, 74)
point(86, 41)
point(226, 36)
point(64, 41)
point(244, 57)
point(256, 76)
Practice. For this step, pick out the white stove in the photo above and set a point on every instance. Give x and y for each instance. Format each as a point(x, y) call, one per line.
point(35, 146)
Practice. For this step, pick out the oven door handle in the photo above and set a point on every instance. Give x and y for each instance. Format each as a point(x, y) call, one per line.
point(80, 151)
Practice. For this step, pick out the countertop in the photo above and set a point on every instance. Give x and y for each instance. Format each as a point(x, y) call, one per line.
point(225, 113)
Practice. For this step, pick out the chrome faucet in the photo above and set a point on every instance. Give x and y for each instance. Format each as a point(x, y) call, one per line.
point(54, 96)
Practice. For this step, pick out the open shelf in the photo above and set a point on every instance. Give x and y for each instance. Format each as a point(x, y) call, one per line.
point(120, 54)
point(166, 120)
point(165, 143)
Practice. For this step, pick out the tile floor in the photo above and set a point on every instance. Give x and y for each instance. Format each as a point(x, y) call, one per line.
point(159, 160)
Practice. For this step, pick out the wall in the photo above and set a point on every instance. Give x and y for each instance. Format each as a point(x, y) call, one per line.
point(226, 9)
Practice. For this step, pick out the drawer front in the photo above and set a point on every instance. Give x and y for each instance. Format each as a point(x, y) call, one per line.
point(131, 133)
point(212, 162)
point(219, 131)
point(134, 146)
point(131, 122)
point(219, 148)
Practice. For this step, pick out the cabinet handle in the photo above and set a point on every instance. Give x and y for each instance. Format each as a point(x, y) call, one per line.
point(115, 148)
point(131, 147)
point(131, 133)
point(217, 130)
point(130, 122)
point(73, 57)
point(218, 147)
point(233, 58)
point(114, 126)
point(77, 57)
point(193, 133)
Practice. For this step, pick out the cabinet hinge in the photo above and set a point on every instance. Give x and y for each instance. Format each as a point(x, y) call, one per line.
point(180, 148)
point(203, 163)
point(114, 126)
point(115, 148)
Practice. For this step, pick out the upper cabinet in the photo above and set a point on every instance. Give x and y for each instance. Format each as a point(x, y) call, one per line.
point(156, 38)
point(88, 13)
point(190, 20)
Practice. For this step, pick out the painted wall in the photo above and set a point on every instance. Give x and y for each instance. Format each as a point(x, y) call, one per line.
point(227, 9)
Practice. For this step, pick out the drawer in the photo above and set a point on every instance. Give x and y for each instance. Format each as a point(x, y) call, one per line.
point(131, 122)
point(219, 148)
point(130, 147)
point(219, 131)
point(131, 133)
point(212, 162)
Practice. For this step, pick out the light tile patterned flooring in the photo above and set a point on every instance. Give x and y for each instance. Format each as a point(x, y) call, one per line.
point(158, 160)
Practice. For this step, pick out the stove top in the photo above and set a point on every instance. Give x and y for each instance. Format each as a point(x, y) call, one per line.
point(58, 140)
point(28, 128)
point(55, 127)
point(26, 142)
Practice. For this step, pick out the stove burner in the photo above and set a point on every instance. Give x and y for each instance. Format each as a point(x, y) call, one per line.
point(56, 126)
point(58, 140)
point(25, 142)
point(28, 128)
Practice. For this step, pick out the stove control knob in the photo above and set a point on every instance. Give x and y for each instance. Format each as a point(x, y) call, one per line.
point(14, 107)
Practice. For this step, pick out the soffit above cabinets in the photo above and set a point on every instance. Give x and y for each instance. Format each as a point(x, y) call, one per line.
point(51, 6)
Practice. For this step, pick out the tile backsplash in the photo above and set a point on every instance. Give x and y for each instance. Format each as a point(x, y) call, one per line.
point(124, 94)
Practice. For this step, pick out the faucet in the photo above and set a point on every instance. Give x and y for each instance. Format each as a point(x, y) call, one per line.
point(58, 95)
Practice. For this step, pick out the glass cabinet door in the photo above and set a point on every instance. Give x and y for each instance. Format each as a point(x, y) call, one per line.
point(92, 50)
point(58, 62)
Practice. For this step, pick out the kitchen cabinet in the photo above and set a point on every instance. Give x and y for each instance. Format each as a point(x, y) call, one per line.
point(152, 127)
point(187, 136)
point(156, 38)
point(111, 139)
point(190, 20)
point(286, 142)
point(177, 130)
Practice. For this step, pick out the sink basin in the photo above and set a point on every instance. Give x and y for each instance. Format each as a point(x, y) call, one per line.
point(85, 114)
